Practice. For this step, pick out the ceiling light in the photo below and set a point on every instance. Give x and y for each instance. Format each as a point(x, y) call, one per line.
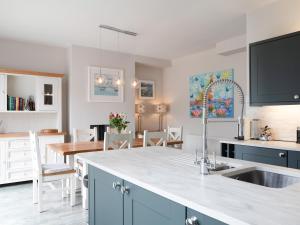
point(119, 82)
point(99, 80)
point(135, 83)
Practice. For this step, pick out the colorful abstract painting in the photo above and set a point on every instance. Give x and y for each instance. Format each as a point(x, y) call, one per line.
point(220, 99)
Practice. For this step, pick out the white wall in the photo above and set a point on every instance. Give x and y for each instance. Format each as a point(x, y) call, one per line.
point(273, 20)
point(150, 120)
point(83, 113)
point(176, 91)
point(29, 56)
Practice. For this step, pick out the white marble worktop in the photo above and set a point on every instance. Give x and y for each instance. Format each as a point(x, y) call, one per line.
point(283, 145)
point(172, 174)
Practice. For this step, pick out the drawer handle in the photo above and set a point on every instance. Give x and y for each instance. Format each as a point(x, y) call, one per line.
point(116, 185)
point(296, 97)
point(281, 154)
point(192, 221)
point(125, 190)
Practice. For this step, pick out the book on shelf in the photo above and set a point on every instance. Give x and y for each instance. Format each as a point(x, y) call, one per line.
point(15, 103)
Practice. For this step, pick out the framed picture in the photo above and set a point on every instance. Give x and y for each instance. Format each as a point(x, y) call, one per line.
point(220, 100)
point(147, 89)
point(105, 84)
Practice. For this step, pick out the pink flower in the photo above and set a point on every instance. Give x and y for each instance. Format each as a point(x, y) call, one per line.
point(196, 113)
point(221, 112)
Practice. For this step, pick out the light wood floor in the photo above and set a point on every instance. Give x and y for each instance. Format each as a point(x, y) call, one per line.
point(16, 208)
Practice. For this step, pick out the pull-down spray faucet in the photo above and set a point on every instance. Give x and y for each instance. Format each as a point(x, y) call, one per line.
point(205, 164)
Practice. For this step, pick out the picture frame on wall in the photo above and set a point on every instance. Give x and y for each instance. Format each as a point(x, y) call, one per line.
point(105, 84)
point(147, 89)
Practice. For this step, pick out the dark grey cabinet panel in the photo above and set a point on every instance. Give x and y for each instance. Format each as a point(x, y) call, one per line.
point(275, 71)
point(133, 205)
point(262, 155)
point(294, 160)
point(105, 203)
point(202, 219)
point(143, 207)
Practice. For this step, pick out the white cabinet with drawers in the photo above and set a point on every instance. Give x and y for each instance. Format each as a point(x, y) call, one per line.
point(16, 157)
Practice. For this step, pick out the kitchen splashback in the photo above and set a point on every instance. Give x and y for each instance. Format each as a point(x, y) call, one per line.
point(283, 120)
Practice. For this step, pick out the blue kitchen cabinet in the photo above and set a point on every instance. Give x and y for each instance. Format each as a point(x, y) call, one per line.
point(105, 201)
point(113, 201)
point(262, 155)
point(294, 159)
point(194, 217)
point(128, 204)
point(143, 207)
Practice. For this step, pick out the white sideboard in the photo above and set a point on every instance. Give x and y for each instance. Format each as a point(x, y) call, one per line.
point(16, 157)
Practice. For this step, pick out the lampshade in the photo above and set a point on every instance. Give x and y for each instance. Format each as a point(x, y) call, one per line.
point(161, 108)
point(140, 108)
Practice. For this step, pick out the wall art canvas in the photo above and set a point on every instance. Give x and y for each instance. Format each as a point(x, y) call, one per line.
point(147, 89)
point(220, 99)
point(105, 84)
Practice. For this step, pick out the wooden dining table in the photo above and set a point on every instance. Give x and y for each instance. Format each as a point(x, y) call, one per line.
point(71, 149)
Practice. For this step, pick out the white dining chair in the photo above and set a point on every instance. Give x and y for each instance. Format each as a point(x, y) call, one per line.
point(83, 135)
point(49, 173)
point(151, 137)
point(117, 141)
point(80, 135)
point(175, 134)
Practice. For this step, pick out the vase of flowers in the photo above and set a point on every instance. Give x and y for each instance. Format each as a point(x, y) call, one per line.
point(118, 121)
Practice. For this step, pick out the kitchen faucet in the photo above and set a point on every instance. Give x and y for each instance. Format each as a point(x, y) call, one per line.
point(205, 164)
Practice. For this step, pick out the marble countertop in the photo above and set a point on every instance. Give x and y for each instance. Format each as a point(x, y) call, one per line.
point(172, 174)
point(284, 145)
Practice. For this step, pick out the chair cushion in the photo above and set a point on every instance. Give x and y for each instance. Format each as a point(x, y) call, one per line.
point(55, 168)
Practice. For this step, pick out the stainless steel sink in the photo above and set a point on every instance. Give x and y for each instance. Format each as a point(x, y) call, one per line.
point(265, 178)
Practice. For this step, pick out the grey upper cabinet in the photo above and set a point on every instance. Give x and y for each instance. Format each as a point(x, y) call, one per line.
point(143, 207)
point(275, 71)
point(262, 155)
point(105, 201)
point(201, 219)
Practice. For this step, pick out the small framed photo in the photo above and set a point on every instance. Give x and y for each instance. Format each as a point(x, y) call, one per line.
point(105, 84)
point(147, 89)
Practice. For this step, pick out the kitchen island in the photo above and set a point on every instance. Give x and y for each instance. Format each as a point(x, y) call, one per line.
point(162, 186)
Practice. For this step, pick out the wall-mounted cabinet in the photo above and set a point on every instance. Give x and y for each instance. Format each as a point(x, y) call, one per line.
point(44, 89)
point(275, 71)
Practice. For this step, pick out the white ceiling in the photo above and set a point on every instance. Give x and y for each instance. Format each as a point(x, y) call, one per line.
point(167, 28)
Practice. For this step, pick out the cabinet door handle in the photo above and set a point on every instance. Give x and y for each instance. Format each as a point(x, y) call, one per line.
point(116, 185)
point(296, 97)
point(192, 221)
point(125, 190)
point(281, 154)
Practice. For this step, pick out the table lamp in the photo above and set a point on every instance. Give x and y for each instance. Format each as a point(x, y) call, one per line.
point(161, 109)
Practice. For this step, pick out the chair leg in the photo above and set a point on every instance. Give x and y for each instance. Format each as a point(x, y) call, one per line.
point(40, 194)
point(72, 190)
point(63, 188)
point(35, 190)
